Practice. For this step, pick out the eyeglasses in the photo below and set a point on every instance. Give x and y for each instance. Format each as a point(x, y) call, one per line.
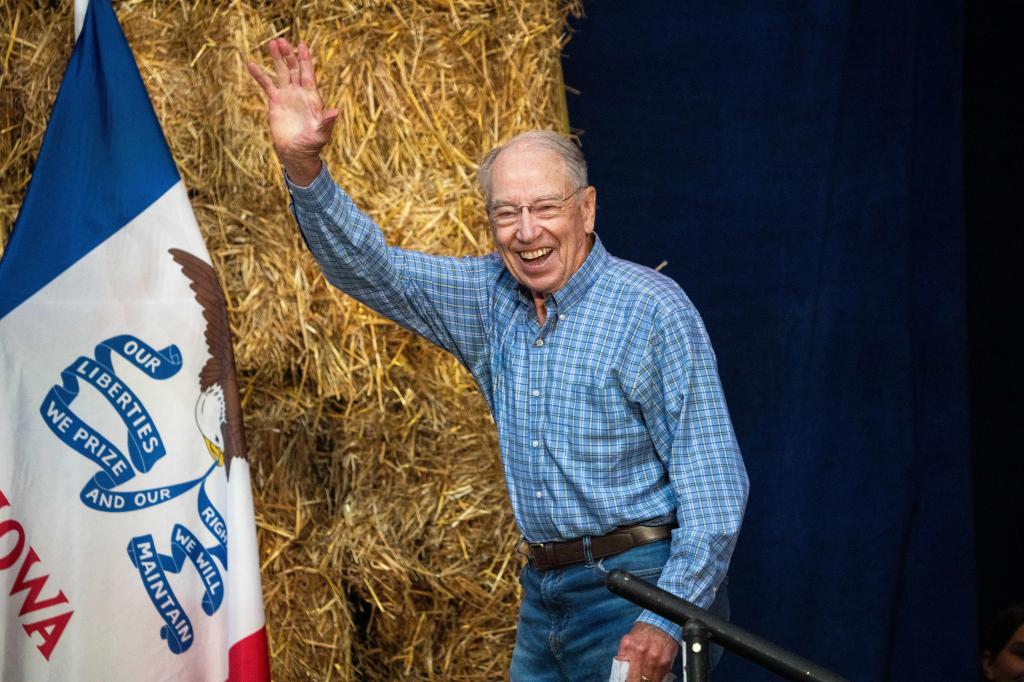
point(506, 215)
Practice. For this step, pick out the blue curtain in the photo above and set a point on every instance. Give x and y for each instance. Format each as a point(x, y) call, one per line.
point(799, 167)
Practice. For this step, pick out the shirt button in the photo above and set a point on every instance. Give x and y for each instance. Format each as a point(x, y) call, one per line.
point(539, 343)
point(535, 443)
point(535, 393)
point(539, 493)
point(561, 316)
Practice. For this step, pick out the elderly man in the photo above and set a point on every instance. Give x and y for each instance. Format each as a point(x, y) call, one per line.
point(615, 439)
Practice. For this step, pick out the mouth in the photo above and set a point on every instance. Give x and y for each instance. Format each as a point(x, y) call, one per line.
point(535, 255)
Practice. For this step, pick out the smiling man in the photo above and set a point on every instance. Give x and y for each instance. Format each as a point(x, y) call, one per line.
point(542, 228)
point(616, 442)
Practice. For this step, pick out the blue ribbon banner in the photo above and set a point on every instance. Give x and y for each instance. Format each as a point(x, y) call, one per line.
point(177, 628)
point(145, 449)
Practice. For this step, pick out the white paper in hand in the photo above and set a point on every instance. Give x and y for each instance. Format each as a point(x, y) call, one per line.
point(620, 669)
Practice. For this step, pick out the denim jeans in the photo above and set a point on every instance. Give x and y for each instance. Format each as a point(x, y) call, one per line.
point(570, 624)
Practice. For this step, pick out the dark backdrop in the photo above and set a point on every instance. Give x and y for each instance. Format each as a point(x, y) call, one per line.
point(994, 179)
point(800, 167)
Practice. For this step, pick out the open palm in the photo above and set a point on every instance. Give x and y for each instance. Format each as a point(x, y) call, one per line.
point(299, 124)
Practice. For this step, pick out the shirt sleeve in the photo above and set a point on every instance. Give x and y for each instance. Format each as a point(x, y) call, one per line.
point(441, 298)
point(685, 410)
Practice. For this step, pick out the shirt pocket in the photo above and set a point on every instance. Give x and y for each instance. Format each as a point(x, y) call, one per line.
point(599, 424)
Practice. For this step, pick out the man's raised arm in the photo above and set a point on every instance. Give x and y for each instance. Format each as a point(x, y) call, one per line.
point(442, 299)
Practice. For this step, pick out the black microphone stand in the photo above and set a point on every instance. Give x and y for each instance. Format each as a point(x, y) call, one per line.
point(700, 625)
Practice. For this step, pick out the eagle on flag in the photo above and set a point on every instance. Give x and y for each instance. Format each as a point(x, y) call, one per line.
point(218, 409)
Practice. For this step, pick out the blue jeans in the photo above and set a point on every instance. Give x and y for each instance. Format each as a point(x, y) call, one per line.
point(570, 624)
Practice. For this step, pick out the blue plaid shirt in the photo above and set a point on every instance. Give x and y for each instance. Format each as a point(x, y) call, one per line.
point(609, 414)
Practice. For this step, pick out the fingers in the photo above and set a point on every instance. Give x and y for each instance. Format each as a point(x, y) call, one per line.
point(277, 60)
point(261, 78)
point(307, 77)
point(292, 67)
point(328, 119)
point(292, 62)
point(650, 653)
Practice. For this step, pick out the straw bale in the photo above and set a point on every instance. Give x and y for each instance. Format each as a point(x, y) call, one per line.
point(386, 536)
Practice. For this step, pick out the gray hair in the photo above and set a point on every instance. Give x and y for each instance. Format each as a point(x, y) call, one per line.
point(547, 140)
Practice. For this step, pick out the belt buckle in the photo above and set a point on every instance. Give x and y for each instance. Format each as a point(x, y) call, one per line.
point(541, 556)
point(545, 555)
point(532, 552)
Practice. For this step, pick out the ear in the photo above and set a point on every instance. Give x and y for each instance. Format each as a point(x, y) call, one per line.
point(589, 208)
point(986, 665)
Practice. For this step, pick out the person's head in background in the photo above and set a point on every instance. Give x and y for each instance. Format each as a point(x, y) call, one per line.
point(1002, 649)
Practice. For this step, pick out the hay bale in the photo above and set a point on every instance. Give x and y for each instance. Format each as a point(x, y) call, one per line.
point(386, 535)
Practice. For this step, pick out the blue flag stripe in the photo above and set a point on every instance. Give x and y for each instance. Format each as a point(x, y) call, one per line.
point(103, 160)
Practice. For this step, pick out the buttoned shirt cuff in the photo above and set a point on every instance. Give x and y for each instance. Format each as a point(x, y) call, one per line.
point(315, 196)
point(665, 625)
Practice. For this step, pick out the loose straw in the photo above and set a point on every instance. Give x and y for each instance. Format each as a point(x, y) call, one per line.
point(386, 535)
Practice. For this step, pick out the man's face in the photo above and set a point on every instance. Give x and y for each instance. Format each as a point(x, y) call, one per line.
point(540, 253)
point(1008, 664)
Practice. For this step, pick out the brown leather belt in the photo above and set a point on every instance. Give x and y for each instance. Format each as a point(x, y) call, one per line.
point(547, 555)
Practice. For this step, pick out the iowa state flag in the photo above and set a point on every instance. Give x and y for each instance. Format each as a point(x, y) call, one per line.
point(127, 536)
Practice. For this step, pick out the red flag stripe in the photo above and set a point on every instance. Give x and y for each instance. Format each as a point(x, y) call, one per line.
point(248, 659)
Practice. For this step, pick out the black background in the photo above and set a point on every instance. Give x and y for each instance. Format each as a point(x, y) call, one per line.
point(831, 183)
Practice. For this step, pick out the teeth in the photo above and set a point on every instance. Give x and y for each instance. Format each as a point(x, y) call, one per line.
point(533, 255)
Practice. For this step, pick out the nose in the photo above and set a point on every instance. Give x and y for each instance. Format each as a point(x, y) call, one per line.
point(526, 230)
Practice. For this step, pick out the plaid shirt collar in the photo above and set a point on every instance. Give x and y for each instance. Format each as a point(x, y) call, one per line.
point(578, 285)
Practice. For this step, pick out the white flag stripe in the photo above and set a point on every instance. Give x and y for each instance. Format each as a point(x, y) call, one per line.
point(80, 8)
point(243, 595)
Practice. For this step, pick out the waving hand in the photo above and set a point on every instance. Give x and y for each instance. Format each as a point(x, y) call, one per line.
point(299, 124)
